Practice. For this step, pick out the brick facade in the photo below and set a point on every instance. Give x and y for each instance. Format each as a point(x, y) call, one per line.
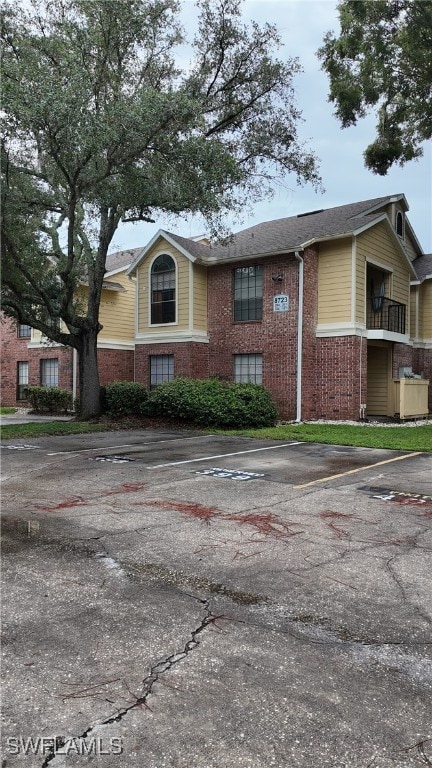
point(115, 365)
point(340, 378)
point(190, 359)
point(275, 336)
point(16, 350)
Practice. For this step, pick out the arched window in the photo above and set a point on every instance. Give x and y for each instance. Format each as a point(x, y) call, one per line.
point(163, 286)
point(399, 224)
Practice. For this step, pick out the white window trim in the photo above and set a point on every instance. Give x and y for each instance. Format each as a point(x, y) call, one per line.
point(156, 256)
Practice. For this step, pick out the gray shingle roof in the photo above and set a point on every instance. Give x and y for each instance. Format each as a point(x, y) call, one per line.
point(197, 249)
point(423, 265)
point(121, 259)
point(285, 235)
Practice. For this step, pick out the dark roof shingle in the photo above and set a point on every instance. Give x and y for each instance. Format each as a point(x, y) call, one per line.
point(284, 235)
point(423, 265)
point(121, 259)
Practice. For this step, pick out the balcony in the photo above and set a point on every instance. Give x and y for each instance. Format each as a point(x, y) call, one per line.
point(386, 314)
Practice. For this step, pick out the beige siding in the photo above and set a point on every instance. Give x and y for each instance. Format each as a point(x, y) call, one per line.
point(38, 337)
point(378, 245)
point(378, 381)
point(410, 247)
point(414, 321)
point(426, 310)
point(200, 298)
point(334, 282)
point(117, 310)
point(182, 293)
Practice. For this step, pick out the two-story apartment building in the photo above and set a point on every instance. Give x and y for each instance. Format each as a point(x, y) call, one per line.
point(323, 309)
point(326, 309)
point(29, 359)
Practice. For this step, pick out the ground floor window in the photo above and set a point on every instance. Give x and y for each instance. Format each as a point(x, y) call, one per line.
point(248, 369)
point(49, 372)
point(22, 379)
point(161, 369)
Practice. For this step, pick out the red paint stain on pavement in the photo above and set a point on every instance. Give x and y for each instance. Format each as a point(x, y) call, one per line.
point(186, 508)
point(74, 501)
point(268, 524)
point(125, 488)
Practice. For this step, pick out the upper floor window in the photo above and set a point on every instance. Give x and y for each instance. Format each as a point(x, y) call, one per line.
point(49, 372)
point(248, 290)
point(399, 224)
point(163, 290)
point(24, 331)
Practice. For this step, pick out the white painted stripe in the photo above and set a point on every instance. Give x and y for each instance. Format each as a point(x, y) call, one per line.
point(225, 455)
point(126, 445)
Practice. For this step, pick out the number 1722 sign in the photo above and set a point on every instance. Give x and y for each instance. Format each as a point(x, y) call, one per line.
point(280, 303)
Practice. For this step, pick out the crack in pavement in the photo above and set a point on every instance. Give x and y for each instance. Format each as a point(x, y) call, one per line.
point(156, 671)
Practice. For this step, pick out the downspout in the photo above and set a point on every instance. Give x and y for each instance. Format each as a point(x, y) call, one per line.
point(299, 335)
point(362, 406)
point(74, 374)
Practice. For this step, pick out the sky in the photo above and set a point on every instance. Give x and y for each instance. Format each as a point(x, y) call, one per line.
point(302, 25)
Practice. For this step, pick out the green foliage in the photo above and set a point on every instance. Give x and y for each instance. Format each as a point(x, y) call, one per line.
point(49, 399)
point(382, 60)
point(125, 398)
point(212, 402)
point(100, 126)
point(6, 409)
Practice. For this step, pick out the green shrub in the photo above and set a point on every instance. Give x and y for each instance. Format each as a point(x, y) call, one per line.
point(49, 399)
point(212, 402)
point(125, 398)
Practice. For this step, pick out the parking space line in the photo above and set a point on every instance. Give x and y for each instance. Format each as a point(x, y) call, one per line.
point(225, 455)
point(128, 445)
point(359, 469)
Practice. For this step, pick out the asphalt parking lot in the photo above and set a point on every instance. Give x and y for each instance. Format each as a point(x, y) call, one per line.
point(179, 600)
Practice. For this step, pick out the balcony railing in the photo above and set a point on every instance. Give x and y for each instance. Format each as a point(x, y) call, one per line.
point(386, 314)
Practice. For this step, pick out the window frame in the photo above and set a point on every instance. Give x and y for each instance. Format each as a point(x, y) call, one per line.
point(249, 309)
point(248, 363)
point(400, 218)
point(51, 381)
point(166, 375)
point(20, 333)
point(21, 385)
point(174, 289)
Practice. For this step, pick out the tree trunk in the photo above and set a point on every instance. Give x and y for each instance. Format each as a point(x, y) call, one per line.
point(89, 386)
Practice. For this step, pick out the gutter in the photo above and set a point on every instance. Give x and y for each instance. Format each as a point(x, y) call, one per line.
point(299, 336)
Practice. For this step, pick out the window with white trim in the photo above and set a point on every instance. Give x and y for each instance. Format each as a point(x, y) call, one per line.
point(163, 290)
point(248, 369)
point(161, 369)
point(49, 372)
point(248, 291)
point(22, 379)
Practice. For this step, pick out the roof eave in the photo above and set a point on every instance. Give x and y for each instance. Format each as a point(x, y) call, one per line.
point(166, 236)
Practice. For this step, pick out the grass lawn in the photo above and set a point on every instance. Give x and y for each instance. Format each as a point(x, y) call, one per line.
point(5, 409)
point(39, 429)
point(401, 438)
point(397, 438)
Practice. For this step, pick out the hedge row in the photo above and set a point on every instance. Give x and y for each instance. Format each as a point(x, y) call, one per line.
point(49, 399)
point(207, 402)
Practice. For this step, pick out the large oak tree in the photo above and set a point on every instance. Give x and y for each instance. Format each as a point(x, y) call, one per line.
point(382, 61)
point(102, 126)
